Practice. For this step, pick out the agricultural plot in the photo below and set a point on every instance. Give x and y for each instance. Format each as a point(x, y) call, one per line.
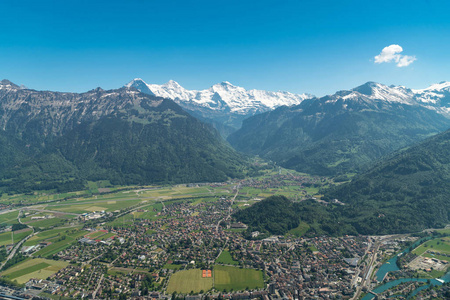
point(189, 280)
point(47, 235)
point(9, 218)
point(60, 244)
point(232, 278)
point(47, 223)
point(34, 268)
point(6, 237)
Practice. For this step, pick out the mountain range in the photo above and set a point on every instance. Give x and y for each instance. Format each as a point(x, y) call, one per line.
point(224, 105)
point(388, 135)
point(59, 140)
point(347, 131)
point(406, 192)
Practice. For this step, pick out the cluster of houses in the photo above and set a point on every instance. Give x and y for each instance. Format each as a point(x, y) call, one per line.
point(186, 234)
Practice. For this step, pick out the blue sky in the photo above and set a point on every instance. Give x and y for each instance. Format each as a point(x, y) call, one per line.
point(317, 46)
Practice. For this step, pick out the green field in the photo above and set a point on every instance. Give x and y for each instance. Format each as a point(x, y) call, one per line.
point(226, 259)
point(300, 230)
point(34, 268)
point(232, 278)
point(5, 238)
point(60, 245)
point(189, 280)
point(9, 218)
point(440, 245)
point(46, 235)
point(47, 223)
point(172, 266)
point(313, 248)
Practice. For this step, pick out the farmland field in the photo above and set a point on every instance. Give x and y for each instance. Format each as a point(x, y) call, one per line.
point(9, 218)
point(47, 223)
point(5, 238)
point(34, 268)
point(60, 245)
point(189, 280)
point(232, 278)
point(45, 235)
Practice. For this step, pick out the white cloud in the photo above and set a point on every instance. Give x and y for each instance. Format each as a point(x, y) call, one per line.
point(405, 60)
point(392, 54)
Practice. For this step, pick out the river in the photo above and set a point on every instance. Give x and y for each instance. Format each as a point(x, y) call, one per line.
point(391, 265)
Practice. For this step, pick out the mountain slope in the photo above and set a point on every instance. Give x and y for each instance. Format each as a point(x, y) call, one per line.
point(121, 135)
point(340, 133)
point(223, 104)
point(407, 192)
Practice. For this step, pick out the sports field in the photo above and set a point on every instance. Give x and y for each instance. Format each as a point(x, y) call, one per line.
point(232, 278)
point(189, 280)
point(34, 268)
point(224, 278)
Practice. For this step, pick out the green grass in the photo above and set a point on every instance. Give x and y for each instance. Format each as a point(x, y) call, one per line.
point(5, 238)
point(89, 205)
point(444, 231)
point(47, 223)
point(232, 278)
point(60, 245)
point(313, 248)
point(172, 266)
point(27, 270)
point(33, 268)
point(226, 259)
point(189, 280)
point(45, 235)
point(300, 230)
point(107, 236)
point(9, 218)
point(96, 234)
point(439, 245)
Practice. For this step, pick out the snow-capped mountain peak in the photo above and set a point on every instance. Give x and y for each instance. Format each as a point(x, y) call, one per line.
point(373, 91)
point(443, 85)
point(221, 96)
point(8, 85)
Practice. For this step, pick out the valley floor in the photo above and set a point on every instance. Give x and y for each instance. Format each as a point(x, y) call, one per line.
point(159, 242)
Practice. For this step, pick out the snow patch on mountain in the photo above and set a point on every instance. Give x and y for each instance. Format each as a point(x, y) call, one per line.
point(223, 96)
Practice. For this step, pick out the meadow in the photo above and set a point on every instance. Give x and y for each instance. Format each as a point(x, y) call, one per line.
point(440, 245)
point(226, 259)
point(34, 268)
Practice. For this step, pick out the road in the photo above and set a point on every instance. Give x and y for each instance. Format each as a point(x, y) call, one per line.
point(13, 251)
point(230, 209)
point(98, 286)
